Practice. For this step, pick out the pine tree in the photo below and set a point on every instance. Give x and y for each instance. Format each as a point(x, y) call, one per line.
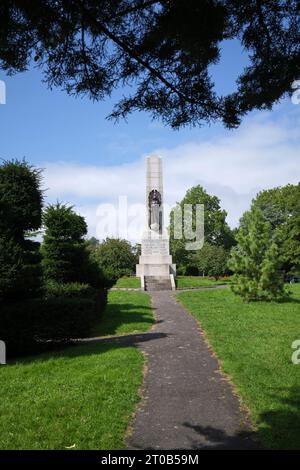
point(21, 199)
point(65, 255)
point(255, 260)
point(271, 280)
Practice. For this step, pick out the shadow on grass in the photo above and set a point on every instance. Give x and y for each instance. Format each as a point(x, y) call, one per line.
point(281, 427)
point(90, 346)
point(116, 315)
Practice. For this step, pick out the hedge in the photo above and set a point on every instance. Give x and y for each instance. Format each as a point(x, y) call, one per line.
point(28, 326)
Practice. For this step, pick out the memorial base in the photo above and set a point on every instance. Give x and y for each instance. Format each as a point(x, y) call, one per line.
point(155, 259)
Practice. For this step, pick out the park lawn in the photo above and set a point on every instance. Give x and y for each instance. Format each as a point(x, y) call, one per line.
point(183, 282)
point(253, 342)
point(126, 312)
point(128, 282)
point(80, 398)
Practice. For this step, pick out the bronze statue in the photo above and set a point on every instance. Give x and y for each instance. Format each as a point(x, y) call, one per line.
point(154, 212)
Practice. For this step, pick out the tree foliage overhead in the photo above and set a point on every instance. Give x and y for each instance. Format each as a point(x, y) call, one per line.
point(163, 48)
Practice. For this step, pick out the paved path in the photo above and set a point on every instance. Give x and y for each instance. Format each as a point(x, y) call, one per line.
point(187, 404)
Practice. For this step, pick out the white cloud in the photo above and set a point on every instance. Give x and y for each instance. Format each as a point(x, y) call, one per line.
point(260, 154)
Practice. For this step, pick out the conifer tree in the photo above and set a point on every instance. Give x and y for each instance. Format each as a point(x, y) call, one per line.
point(255, 260)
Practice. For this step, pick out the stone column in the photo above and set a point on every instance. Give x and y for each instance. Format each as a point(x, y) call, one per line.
point(155, 259)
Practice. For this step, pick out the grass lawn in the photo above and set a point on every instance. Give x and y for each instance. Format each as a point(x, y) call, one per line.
point(126, 312)
point(253, 342)
point(82, 397)
point(199, 281)
point(128, 282)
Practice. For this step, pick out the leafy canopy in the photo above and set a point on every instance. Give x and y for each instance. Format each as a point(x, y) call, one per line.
point(116, 258)
point(216, 230)
point(281, 208)
point(162, 49)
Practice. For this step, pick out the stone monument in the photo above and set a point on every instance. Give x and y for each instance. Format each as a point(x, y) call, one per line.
point(155, 260)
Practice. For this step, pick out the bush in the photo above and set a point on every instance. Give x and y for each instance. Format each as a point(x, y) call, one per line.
point(64, 318)
point(67, 311)
point(181, 270)
point(71, 289)
point(191, 270)
point(20, 269)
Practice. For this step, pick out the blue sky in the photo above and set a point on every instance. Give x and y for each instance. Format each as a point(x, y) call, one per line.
point(88, 159)
point(48, 125)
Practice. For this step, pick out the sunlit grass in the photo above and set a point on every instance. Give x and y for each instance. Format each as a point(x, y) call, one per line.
point(82, 398)
point(128, 282)
point(253, 342)
point(199, 281)
point(126, 312)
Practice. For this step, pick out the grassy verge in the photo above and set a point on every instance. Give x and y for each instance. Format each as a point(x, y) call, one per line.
point(126, 312)
point(253, 342)
point(81, 398)
point(128, 282)
point(199, 281)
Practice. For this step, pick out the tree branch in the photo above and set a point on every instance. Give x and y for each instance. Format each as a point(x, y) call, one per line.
point(142, 62)
point(263, 24)
point(141, 6)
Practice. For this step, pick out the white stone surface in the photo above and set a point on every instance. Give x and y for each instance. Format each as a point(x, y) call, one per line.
point(155, 259)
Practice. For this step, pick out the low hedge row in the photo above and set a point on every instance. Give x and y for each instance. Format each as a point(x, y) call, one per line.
point(66, 312)
point(72, 290)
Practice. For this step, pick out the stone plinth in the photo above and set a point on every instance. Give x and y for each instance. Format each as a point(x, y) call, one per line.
point(155, 259)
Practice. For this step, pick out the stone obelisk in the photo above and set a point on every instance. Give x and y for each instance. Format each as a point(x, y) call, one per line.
point(155, 260)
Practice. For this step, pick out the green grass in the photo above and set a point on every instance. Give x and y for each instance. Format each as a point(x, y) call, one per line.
point(126, 312)
point(253, 342)
point(82, 396)
point(128, 282)
point(199, 281)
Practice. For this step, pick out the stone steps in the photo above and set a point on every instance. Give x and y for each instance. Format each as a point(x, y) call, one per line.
point(155, 283)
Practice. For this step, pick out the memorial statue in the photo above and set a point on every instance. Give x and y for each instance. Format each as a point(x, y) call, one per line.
point(155, 259)
point(154, 203)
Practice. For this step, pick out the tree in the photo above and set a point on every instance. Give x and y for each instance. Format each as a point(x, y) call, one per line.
point(255, 260)
point(21, 201)
point(216, 230)
point(11, 263)
point(116, 258)
point(211, 260)
point(164, 47)
point(92, 243)
point(65, 256)
point(281, 208)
